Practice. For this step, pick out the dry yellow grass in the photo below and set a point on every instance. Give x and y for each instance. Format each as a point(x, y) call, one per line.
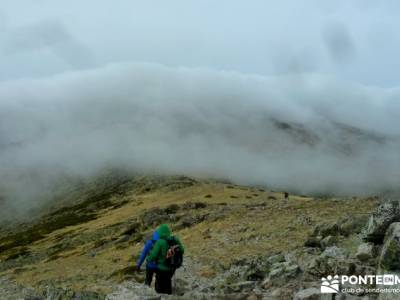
point(253, 222)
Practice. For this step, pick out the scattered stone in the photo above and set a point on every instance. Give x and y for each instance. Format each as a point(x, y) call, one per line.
point(277, 258)
point(334, 252)
point(304, 219)
point(353, 224)
point(332, 261)
point(133, 291)
point(280, 274)
point(308, 294)
point(243, 286)
point(365, 251)
point(313, 242)
point(172, 209)
point(55, 293)
point(387, 213)
point(325, 230)
point(328, 241)
point(194, 205)
point(389, 258)
point(190, 221)
point(154, 217)
point(13, 291)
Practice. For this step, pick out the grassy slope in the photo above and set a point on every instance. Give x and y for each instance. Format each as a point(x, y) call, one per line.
point(236, 222)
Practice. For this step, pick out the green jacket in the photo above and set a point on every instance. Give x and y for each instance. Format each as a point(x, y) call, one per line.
point(159, 252)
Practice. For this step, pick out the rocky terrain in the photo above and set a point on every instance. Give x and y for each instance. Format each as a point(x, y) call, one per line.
point(242, 242)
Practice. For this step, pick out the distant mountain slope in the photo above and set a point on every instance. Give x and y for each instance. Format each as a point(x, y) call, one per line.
point(92, 244)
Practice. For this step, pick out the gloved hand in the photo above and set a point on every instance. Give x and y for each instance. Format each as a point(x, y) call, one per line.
point(137, 268)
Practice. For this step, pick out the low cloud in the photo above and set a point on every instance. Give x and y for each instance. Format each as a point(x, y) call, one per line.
point(306, 133)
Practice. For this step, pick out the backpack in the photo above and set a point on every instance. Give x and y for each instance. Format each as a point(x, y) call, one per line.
point(174, 258)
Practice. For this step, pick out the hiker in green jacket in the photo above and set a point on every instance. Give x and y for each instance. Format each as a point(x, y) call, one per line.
point(167, 253)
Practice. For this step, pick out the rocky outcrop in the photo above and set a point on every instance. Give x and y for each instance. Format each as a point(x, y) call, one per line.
point(329, 234)
point(281, 273)
point(308, 294)
point(55, 293)
point(133, 291)
point(13, 291)
point(390, 255)
point(365, 251)
point(387, 213)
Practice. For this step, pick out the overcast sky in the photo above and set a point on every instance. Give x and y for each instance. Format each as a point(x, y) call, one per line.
point(353, 40)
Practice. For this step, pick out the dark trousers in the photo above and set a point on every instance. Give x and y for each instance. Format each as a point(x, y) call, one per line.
point(149, 276)
point(164, 282)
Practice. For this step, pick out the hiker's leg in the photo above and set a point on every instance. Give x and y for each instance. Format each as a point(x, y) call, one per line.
point(163, 282)
point(168, 282)
point(158, 284)
point(149, 276)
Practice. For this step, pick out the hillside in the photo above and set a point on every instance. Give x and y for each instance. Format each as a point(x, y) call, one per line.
point(92, 245)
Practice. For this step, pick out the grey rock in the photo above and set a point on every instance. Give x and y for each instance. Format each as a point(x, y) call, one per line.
point(365, 251)
point(133, 291)
point(275, 259)
point(353, 225)
point(313, 241)
point(308, 294)
point(56, 293)
point(387, 213)
point(304, 257)
point(277, 271)
point(11, 290)
point(328, 241)
point(327, 229)
point(280, 274)
point(333, 260)
point(243, 286)
point(390, 253)
point(334, 252)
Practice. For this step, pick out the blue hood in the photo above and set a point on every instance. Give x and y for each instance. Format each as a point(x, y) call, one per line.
point(155, 235)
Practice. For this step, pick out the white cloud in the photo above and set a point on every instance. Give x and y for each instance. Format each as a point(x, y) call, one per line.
point(308, 133)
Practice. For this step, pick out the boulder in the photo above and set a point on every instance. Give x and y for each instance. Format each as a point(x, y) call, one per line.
point(328, 241)
point(12, 290)
point(313, 242)
point(56, 293)
point(280, 274)
point(334, 252)
point(390, 253)
point(244, 286)
point(327, 229)
point(277, 258)
point(365, 251)
point(353, 225)
point(308, 294)
point(133, 291)
point(387, 213)
point(333, 260)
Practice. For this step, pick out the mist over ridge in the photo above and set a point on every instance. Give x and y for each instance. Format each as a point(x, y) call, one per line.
point(304, 132)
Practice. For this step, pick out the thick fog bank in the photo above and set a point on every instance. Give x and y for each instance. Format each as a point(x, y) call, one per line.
point(305, 132)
